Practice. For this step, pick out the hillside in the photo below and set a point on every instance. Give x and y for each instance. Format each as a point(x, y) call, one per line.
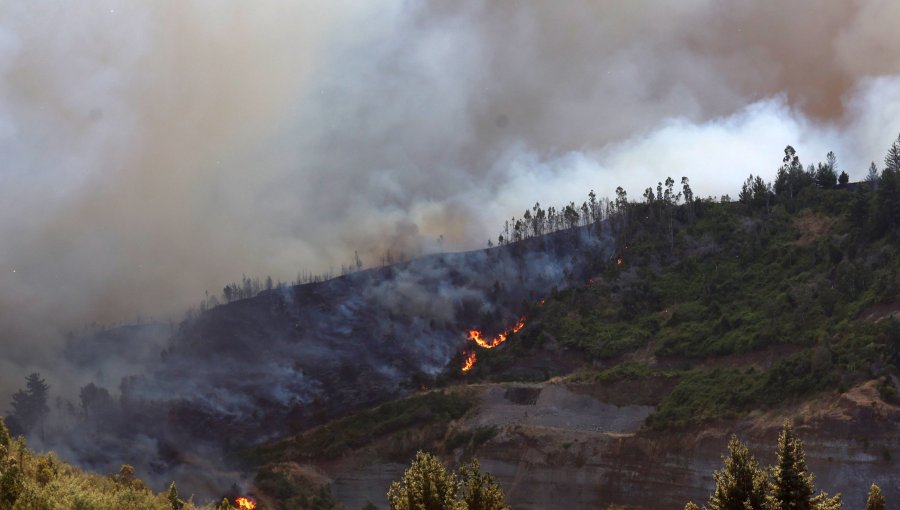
point(592, 344)
point(714, 317)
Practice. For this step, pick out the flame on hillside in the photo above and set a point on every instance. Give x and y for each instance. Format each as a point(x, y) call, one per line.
point(478, 337)
point(470, 362)
point(245, 503)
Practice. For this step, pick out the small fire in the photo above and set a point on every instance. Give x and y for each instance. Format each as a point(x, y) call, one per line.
point(245, 503)
point(541, 302)
point(470, 362)
point(477, 337)
point(619, 261)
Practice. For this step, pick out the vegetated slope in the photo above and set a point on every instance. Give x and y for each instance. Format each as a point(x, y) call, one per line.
point(297, 356)
point(718, 316)
point(31, 481)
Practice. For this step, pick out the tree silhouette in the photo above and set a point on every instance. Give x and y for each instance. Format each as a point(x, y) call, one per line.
point(30, 406)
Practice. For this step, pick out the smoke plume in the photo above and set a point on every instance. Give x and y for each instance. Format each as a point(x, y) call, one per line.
point(155, 150)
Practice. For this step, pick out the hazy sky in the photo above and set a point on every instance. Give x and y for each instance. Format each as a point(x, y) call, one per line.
point(150, 150)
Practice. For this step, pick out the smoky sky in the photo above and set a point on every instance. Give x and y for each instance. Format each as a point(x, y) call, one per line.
point(150, 151)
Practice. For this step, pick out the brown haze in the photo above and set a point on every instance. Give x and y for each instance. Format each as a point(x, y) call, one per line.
point(154, 150)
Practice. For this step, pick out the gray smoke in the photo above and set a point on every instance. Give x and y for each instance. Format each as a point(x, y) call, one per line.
point(154, 150)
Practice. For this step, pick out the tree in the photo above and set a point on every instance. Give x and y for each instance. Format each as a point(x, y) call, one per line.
point(791, 177)
point(791, 485)
point(95, 401)
point(741, 484)
point(886, 216)
point(481, 491)
point(30, 406)
point(825, 176)
point(426, 485)
point(172, 496)
point(875, 501)
point(872, 177)
point(892, 159)
point(691, 506)
point(843, 179)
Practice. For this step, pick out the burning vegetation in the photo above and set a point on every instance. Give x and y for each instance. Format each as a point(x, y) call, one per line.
point(478, 337)
point(245, 503)
point(471, 358)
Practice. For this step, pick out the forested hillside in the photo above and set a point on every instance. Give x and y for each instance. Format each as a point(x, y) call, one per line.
point(711, 313)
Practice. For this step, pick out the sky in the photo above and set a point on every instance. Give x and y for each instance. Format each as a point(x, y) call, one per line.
point(154, 150)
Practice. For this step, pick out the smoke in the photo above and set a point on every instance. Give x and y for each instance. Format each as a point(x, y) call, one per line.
point(154, 150)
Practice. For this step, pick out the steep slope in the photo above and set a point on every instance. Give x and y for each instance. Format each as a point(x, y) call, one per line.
point(719, 318)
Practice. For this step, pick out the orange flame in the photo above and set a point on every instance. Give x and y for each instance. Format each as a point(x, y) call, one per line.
point(619, 261)
point(477, 337)
point(470, 362)
point(245, 503)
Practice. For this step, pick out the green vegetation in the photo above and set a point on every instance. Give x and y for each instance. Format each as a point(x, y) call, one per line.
point(292, 491)
point(788, 485)
point(29, 481)
point(875, 501)
point(628, 370)
point(360, 429)
point(428, 485)
point(801, 267)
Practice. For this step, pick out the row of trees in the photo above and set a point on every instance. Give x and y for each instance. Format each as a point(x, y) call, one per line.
point(429, 485)
point(877, 206)
point(788, 485)
point(538, 221)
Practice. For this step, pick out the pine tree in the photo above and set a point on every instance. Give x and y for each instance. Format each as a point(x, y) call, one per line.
point(426, 485)
point(741, 484)
point(30, 406)
point(791, 485)
point(892, 159)
point(481, 491)
point(875, 501)
point(691, 506)
point(872, 177)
